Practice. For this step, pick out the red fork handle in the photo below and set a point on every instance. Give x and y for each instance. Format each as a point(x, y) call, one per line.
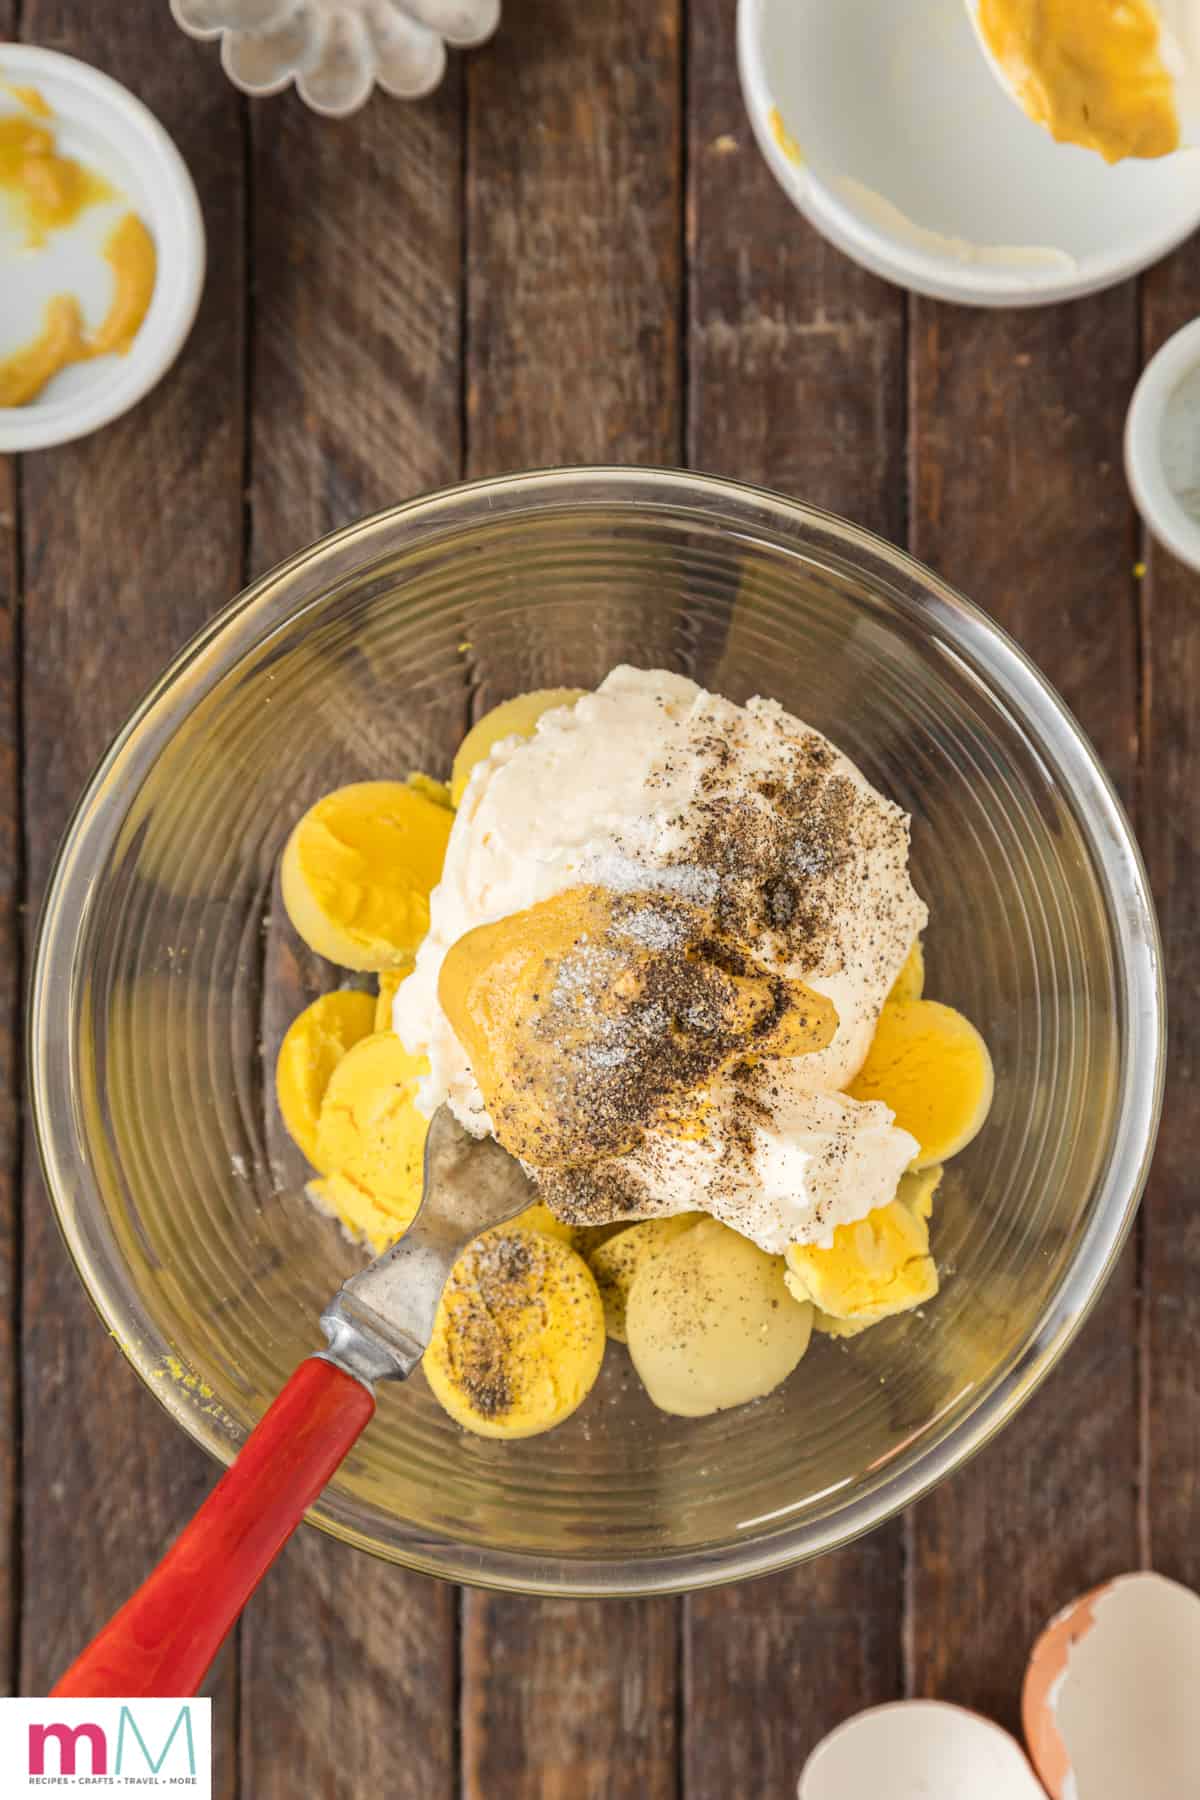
point(164, 1638)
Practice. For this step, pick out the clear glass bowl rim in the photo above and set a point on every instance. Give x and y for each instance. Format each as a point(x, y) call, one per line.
point(278, 598)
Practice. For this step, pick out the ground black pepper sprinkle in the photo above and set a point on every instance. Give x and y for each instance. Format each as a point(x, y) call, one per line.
point(800, 872)
point(633, 1020)
point(493, 1285)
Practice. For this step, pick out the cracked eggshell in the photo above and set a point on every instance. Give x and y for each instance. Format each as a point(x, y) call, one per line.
point(918, 1750)
point(1109, 1703)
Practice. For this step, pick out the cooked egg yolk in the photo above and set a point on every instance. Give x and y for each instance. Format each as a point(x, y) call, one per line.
point(358, 871)
point(369, 1131)
point(910, 982)
point(875, 1267)
point(619, 1259)
point(354, 1208)
point(512, 718)
point(389, 984)
point(313, 1046)
point(519, 1335)
point(710, 1322)
point(932, 1068)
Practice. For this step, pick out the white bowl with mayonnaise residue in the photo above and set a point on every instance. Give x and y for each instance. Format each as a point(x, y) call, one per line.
point(887, 128)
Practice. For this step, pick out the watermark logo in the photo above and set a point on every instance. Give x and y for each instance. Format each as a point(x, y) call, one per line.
point(75, 1744)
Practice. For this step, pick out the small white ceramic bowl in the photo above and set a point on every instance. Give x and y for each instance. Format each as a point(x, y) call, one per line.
point(1162, 445)
point(100, 123)
point(888, 130)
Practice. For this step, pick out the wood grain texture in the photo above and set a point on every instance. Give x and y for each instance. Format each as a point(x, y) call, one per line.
point(568, 250)
point(11, 852)
point(568, 1700)
point(10, 1073)
point(795, 361)
point(573, 297)
point(1020, 499)
point(357, 332)
point(348, 1667)
point(795, 356)
point(573, 281)
point(1168, 817)
point(119, 570)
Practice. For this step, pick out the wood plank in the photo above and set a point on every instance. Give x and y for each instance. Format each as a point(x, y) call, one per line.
point(795, 356)
point(1020, 500)
point(349, 1667)
point(574, 226)
point(796, 380)
point(574, 217)
point(118, 572)
point(562, 1703)
point(1169, 820)
point(10, 1077)
point(11, 1069)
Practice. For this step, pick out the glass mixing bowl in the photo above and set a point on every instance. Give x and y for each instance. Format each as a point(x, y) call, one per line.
point(166, 973)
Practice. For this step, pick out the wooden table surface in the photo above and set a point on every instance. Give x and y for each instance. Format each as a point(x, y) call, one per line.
point(573, 253)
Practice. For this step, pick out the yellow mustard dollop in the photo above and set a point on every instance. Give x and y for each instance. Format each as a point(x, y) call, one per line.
point(48, 192)
point(592, 1015)
point(1090, 71)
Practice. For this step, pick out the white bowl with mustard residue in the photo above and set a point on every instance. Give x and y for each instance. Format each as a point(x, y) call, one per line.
point(888, 129)
point(101, 249)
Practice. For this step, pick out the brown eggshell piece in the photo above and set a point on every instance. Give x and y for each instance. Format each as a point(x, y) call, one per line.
point(1109, 1703)
point(1042, 1675)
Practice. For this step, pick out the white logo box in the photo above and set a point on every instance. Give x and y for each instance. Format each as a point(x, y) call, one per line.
point(77, 1746)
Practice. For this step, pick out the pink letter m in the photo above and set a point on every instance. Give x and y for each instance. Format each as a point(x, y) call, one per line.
point(67, 1738)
